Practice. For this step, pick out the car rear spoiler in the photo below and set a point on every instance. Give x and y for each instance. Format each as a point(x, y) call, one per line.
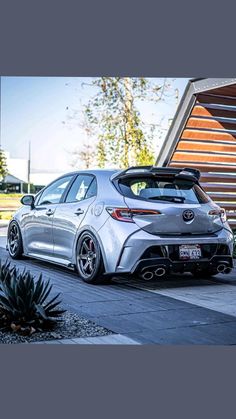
point(186, 173)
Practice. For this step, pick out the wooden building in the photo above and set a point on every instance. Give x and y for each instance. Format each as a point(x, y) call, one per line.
point(203, 136)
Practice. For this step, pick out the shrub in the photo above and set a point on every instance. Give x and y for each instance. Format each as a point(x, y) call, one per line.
point(25, 304)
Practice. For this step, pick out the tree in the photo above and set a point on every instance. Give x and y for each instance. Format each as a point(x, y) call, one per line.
point(85, 155)
point(3, 165)
point(123, 138)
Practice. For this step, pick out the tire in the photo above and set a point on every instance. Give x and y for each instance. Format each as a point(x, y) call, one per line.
point(89, 260)
point(14, 241)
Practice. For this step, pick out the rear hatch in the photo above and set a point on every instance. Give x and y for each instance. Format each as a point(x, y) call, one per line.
point(182, 206)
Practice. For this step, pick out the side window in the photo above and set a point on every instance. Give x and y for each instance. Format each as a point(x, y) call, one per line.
point(53, 193)
point(81, 188)
point(92, 190)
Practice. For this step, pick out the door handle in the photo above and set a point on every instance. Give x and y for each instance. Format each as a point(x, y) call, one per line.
point(49, 212)
point(79, 211)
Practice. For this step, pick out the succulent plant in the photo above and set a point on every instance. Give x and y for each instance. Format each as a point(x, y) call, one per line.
point(6, 271)
point(25, 304)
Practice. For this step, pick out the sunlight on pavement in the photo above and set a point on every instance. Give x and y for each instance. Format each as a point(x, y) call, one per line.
point(219, 297)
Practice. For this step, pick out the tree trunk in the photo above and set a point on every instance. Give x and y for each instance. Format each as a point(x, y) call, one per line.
point(129, 151)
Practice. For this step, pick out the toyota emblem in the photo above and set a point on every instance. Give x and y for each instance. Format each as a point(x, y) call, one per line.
point(188, 215)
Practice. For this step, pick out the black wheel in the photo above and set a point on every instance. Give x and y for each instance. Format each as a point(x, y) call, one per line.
point(89, 260)
point(14, 241)
point(204, 273)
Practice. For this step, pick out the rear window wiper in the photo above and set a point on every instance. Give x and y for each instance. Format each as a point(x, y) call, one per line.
point(168, 198)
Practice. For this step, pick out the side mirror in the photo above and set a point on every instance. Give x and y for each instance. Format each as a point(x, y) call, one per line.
point(28, 200)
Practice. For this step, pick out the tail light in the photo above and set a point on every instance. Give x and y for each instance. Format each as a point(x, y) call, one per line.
point(220, 212)
point(126, 214)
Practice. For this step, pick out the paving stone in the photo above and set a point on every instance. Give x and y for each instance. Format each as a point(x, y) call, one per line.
point(220, 298)
point(113, 339)
point(214, 334)
point(63, 341)
point(97, 340)
point(81, 341)
point(138, 314)
point(49, 342)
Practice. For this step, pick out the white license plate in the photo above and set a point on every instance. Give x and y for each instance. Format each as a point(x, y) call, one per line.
point(190, 251)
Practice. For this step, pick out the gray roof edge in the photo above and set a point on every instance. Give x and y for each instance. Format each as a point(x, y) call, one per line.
point(11, 179)
point(201, 85)
point(185, 106)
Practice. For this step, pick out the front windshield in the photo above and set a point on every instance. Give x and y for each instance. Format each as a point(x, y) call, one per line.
point(165, 190)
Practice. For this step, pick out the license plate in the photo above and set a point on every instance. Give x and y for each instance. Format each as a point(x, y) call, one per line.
point(190, 252)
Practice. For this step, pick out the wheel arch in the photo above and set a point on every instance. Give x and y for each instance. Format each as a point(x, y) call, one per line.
point(96, 235)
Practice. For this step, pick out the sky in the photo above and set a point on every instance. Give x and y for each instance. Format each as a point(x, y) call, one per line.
point(34, 108)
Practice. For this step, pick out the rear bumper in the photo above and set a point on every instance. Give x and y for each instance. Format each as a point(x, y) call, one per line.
point(183, 266)
point(131, 258)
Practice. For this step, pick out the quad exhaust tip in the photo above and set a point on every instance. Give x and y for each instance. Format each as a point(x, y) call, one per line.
point(222, 268)
point(148, 275)
point(160, 271)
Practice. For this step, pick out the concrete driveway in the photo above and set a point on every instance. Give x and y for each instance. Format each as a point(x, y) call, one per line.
point(179, 310)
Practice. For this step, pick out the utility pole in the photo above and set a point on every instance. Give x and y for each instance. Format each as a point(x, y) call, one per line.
point(29, 162)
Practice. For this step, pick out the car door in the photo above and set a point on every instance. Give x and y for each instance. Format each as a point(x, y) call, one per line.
point(69, 214)
point(38, 222)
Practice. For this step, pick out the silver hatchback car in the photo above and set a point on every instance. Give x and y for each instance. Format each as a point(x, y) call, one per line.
point(146, 221)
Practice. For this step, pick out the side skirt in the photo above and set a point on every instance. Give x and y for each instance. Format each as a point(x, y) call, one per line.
point(51, 259)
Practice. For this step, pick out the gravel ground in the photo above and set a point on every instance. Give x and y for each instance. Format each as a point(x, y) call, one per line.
point(72, 326)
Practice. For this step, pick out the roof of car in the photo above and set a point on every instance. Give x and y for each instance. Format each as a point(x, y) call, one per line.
point(115, 174)
point(129, 170)
point(92, 172)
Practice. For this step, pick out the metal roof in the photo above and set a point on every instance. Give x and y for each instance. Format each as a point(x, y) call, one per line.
point(12, 179)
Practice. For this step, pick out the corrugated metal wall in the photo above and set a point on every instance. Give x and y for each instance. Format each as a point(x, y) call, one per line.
point(208, 142)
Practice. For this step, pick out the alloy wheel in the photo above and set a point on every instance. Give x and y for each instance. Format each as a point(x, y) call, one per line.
point(87, 256)
point(13, 239)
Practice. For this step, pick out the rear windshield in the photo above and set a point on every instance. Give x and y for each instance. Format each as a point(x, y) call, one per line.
point(165, 190)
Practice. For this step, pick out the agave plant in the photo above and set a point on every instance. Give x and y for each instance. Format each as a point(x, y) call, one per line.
point(25, 304)
point(6, 271)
